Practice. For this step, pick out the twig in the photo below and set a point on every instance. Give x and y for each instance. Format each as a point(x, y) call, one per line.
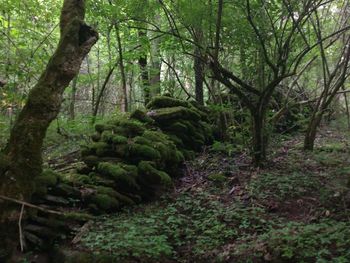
point(82, 231)
point(20, 228)
point(31, 205)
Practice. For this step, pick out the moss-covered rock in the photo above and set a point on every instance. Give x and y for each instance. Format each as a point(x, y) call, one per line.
point(142, 152)
point(118, 139)
point(149, 175)
point(166, 102)
point(166, 114)
point(91, 160)
point(105, 202)
point(128, 127)
point(80, 179)
point(100, 128)
point(123, 199)
point(46, 179)
point(96, 137)
point(118, 174)
point(141, 116)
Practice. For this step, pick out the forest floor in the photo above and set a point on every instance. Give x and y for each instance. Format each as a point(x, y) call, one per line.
point(296, 209)
point(223, 210)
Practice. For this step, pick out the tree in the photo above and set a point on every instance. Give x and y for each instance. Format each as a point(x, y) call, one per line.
point(278, 37)
point(334, 73)
point(21, 160)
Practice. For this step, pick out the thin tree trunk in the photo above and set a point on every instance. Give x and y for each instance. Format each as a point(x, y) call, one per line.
point(21, 159)
point(310, 135)
point(124, 99)
point(199, 69)
point(145, 82)
point(155, 67)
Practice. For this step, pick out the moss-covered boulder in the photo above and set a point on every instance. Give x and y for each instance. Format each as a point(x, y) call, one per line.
point(132, 157)
point(124, 180)
point(46, 179)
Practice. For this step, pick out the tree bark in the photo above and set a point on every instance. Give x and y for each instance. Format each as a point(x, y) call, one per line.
point(124, 97)
point(259, 138)
point(145, 82)
point(310, 135)
point(199, 76)
point(21, 159)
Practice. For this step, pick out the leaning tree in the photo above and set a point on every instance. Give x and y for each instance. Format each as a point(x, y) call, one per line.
point(21, 160)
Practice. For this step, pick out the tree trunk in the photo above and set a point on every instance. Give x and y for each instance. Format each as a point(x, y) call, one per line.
point(259, 138)
point(199, 76)
point(311, 131)
point(21, 159)
point(124, 97)
point(156, 65)
point(145, 83)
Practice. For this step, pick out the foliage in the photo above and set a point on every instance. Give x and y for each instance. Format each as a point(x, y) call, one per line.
point(161, 230)
point(324, 241)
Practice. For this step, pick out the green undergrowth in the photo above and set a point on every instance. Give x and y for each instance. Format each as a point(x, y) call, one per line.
point(321, 242)
point(190, 227)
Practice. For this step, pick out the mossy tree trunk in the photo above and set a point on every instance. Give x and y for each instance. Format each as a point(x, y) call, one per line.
point(24, 148)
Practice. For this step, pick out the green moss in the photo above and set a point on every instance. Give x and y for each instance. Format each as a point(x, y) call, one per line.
point(149, 175)
point(155, 136)
point(111, 192)
point(174, 113)
point(165, 102)
point(47, 178)
point(117, 173)
point(111, 170)
point(102, 149)
point(105, 202)
point(80, 179)
point(179, 157)
point(139, 151)
point(165, 179)
point(131, 169)
point(103, 127)
point(86, 151)
point(91, 160)
point(118, 139)
point(218, 178)
point(178, 142)
point(188, 154)
point(128, 127)
point(142, 140)
point(106, 136)
point(178, 127)
point(96, 137)
point(141, 116)
point(82, 217)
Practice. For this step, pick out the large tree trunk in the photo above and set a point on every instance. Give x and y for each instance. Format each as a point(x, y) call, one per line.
point(21, 159)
